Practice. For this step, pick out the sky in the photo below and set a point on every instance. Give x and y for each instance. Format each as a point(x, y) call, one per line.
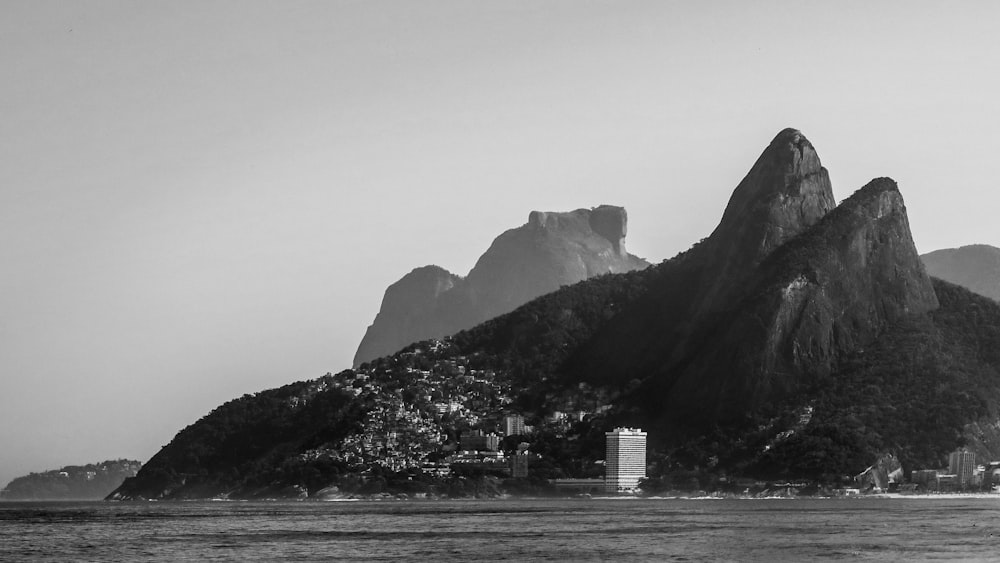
point(200, 200)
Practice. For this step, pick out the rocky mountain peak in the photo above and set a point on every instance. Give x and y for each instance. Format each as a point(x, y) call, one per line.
point(611, 223)
point(823, 295)
point(409, 305)
point(551, 250)
point(785, 192)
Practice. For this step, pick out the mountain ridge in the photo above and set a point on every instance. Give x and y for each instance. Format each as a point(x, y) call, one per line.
point(839, 326)
point(975, 267)
point(784, 193)
point(551, 250)
point(809, 304)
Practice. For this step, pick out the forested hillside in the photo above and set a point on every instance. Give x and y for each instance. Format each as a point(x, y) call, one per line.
point(797, 341)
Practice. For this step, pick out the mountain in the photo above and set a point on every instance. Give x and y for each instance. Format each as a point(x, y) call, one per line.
point(785, 192)
point(550, 251)
point(975, 267)
point(791, 320)
point(800, 340)
point(783, 287)
point(74, 482)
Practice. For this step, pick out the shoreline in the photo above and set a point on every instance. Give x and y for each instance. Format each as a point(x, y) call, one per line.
point(396, 498)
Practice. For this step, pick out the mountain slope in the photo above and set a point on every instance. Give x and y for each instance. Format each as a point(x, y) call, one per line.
point(975, 267)
point(786, 191)
point(549, 251)
point(826, 293)
point(926, 386)
point(819, 344)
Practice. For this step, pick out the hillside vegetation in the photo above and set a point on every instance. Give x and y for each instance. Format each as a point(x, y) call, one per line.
point(797, 341)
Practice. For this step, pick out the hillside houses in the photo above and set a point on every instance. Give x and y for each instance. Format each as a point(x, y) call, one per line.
point(431, 413)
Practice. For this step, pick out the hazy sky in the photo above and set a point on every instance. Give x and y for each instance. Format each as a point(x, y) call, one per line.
point(204, 199)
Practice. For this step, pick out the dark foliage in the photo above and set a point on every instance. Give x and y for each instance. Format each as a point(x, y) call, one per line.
point(534, 341)
point(246, 443)
point(912, 393)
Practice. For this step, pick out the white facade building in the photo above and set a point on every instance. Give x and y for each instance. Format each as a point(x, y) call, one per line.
point(963, 464)
point(513, 425)
point(625, 459)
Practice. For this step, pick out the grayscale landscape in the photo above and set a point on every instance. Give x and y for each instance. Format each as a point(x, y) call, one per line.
point(553, 255)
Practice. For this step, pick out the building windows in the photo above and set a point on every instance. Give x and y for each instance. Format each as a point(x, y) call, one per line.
point(625, 459)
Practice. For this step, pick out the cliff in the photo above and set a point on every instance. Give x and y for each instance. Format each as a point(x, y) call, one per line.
point(782, 288)
point(826, 293)
point(410, 312)
point(550, 251)
point(785, 192)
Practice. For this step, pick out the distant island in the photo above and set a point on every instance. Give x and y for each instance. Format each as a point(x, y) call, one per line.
point(93, 481)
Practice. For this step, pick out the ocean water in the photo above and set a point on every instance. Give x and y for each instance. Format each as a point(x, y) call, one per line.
point(872, 529)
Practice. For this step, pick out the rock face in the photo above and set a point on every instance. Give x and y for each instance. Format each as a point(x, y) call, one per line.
point(821, 296)
point(612, 224)
point(975, 267)
point(785, 286)
point(409, 307)
point(786, 191)
point(549, 251)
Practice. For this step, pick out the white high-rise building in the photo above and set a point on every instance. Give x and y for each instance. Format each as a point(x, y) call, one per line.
point(513, 425)
point(625, 459)
point(963, 464)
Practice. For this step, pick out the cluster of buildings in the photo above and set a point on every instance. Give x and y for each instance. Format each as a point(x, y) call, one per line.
point(962, 474)
point(624, 464)
point(413, 401)
point(394, 435)
point(624, 461)
point(482, 451)
point(418, 399)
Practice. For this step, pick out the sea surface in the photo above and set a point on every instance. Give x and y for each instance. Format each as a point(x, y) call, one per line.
point(873, 529)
